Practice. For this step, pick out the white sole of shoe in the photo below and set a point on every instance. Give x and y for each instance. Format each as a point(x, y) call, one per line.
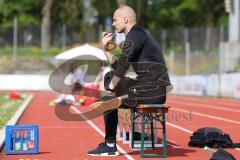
point(105, 154)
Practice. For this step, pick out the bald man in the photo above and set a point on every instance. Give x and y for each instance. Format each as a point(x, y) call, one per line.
point(142, 52)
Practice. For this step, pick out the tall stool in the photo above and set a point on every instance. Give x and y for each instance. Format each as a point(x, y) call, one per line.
point(150, 113)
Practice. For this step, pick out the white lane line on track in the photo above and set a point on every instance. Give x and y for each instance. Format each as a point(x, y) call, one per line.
point(180, 128)
point(206, 115)
point(174, 146)
point(199, 100)
point(100, 131)
point(205, 106)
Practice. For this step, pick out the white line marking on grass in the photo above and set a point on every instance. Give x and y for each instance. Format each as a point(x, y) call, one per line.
point(14, 119)
point(100, 131)
point(206, 115)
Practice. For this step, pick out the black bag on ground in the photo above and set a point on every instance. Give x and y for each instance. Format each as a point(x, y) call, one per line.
point(221, 154)
point(211, 137)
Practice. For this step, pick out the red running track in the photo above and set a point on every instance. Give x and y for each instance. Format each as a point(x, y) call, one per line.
point(70, 140)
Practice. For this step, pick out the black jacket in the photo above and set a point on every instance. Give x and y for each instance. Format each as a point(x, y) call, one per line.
point(211, 137)
point(144, 54)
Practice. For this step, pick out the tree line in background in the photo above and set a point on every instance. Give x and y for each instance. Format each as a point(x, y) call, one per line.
point(152, 14)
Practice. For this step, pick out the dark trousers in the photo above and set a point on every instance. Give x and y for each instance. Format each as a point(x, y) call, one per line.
point(145, 94)
point(111, 121)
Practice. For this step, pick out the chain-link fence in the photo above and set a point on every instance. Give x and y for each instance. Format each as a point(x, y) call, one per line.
point(200, 39)
point(61, 36)
point(193, 50)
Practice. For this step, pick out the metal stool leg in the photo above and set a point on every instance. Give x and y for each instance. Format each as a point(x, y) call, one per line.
point(142, 136)
point(164, 135)
point(145, 119)
point(152, 134)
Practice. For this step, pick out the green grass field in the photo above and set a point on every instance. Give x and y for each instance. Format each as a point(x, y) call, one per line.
point(29, 51)
point(8, 107)
point(31, 60)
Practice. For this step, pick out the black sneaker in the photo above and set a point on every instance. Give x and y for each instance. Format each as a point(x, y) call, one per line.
point(104, 150)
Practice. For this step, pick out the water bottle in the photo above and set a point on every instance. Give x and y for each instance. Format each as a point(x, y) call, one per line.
point(25, 141)
point(13, 138)
point(17, 144)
